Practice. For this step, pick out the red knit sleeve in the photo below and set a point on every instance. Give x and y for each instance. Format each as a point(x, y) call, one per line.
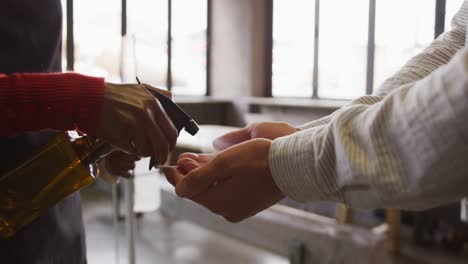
point(61, 101)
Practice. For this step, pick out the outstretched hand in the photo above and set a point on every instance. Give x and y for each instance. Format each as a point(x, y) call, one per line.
point(266, 130)
point(235, 183)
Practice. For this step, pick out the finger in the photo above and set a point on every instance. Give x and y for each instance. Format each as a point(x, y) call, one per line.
point(120, 156)
point(173, 175)
point(125, 142)
point(159, 144)
point(187, 165)
point(142, 143)
point(127, 147)
point(165, 123)
point(197, 181)
point(181, 162)
point(189, 155)
point(161, 122)
point(200, 158)
point(112, 171)
point(122, 173)
point(161, 91)
point(110, 178)
point(119, 162)
point(129, 157)
point(127, 165)
point(118, 169)
point(232, 138)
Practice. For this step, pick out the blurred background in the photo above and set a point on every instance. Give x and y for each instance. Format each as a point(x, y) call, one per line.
point(233, 62)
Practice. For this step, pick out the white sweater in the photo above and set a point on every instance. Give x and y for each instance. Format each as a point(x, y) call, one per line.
point(404, 146)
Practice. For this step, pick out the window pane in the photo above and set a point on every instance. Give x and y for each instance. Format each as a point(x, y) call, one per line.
point(293, 48)
point(189, 43)
point(452, 6)
point(97, 38)
point(147, 24)
point(397, 40)
point(343, 48)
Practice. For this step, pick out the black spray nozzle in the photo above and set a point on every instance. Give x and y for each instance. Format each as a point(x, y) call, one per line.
point(179, 118)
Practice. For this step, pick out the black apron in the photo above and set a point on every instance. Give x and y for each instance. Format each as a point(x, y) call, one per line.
point(30, 41)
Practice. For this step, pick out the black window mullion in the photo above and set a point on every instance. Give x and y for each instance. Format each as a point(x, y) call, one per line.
point(371, 48)
point(70, 52)
point(316, 50)
point(208, 47)
point(169, 45)
point(123, 19)
point(268, 58)
point(439, 17)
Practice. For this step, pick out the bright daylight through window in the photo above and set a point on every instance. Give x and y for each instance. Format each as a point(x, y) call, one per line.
point(97, 42)
point(402, 29)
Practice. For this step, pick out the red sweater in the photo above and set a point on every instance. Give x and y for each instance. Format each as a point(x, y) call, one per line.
point(61, 101)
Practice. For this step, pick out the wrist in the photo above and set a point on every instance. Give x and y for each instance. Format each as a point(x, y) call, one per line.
point(88, 102)
point(287, 161)
point(276, 192)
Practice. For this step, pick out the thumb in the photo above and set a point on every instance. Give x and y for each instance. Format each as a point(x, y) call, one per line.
point(231, 139)
point(197, 181)
point(161, 91)
point(173, 175)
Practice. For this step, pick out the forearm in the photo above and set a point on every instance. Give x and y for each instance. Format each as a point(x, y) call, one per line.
point(30, 102)
point(406, 151)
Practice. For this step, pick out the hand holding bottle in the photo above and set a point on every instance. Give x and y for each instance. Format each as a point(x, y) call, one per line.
point(134, 121)
point(115, 165)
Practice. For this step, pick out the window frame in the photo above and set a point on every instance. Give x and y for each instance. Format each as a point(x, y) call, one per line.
point(439, 28)
point(70, 48)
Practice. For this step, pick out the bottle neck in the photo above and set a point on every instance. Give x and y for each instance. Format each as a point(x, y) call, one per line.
point(89, 150)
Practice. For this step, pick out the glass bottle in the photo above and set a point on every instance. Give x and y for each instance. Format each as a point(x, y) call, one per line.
point(52, 173)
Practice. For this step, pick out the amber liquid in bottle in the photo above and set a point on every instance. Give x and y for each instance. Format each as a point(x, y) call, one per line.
point(55, 171)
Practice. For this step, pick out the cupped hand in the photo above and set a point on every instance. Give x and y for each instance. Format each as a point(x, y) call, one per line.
point(266, 130)
point(235, 183)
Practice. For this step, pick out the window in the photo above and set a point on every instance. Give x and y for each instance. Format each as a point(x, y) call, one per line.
point(293, 50)
point(397, 40)
point(98, 45)
point(147, 26)
point(342, 48)
point(189, 46)
point(360, 43)
point(97, 38)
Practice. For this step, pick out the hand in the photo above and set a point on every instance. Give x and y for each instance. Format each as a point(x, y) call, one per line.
point(134, 121)
point(117, 164)
point(267, 130)
point(235, 183)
